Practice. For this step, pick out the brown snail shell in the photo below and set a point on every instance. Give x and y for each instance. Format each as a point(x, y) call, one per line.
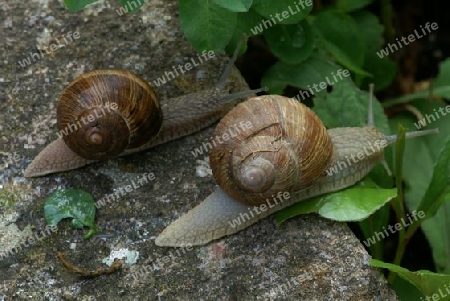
point(103, 112)
point(287, 149)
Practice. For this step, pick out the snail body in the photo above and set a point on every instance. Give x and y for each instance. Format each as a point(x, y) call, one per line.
point(288, 151)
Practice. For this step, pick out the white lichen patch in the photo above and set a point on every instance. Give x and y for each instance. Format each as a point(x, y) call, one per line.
point(203, 169)
point(130, 256)
point(43, 39)
point(10, 235)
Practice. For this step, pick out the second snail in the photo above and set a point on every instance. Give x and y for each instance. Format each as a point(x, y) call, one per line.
point(286, 150)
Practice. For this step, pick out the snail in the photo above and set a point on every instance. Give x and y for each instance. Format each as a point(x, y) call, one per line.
point(103, 114)
point(282, 159)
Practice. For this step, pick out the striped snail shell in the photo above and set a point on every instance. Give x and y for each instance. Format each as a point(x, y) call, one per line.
point(287, 149)
point(104, 112)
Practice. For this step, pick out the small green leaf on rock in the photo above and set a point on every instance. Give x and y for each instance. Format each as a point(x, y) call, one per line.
point(77, 5)
point(74, 203)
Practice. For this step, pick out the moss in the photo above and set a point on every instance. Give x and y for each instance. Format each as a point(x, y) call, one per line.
point(8, 198)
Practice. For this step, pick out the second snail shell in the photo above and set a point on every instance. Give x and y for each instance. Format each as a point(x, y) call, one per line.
point(104, 112)
point(286, 149)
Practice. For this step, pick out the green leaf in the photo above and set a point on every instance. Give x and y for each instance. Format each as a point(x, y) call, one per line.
point(340, 35)
point(370, 30)
point(77, 5)
point(438, 191)
point(351, 5)
point(406, 290)
point(304, 75)
point(430, 284)
point(439, 88)
point(352, 204)
point(235, 5)
point(355, 204)
point(291, 43)
point(71, 203)
point(282, 11)
point(347, 105)
point(245, 22)
point(383, 69)
point(207, 25)
point(131, 6)
point(421, 155)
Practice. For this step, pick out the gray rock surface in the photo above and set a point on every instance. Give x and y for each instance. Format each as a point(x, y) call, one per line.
point(307, 258)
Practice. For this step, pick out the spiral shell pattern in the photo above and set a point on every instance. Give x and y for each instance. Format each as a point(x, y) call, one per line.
point(286, 149)
point(103, 112)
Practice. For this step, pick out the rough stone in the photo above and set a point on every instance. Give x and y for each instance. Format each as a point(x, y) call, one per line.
point(307, 258)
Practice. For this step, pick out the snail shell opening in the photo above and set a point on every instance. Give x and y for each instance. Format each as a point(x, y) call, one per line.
point(104, 112)
point(286, 149)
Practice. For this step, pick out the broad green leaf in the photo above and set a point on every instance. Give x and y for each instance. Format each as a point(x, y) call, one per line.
point(282, 11)
point(370, 29)
point(351, 5)
point(77, 5)
point(305, 75)
point(235, 5)
point(430, 284)
point(352, 204)
point(440, 87)
point(347, 105)
point(207, 25)
point(340, 35)
point(438, 191)
point(383, 70)
point(71, 203)
point(291, 43)
point(406, 290)
point(421, 155)
point(355, 204)
point(245, 23)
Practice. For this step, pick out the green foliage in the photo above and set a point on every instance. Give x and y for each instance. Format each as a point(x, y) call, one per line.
point(215, 23)
point(71, 203)
point(341, 38)
point(295, 43)
point(344, 205)
point(235, 6)
point(313, 47)
point(428, 283)
point(439, 88)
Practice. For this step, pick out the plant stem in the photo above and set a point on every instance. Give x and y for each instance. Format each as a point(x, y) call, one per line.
point(386, 17)
point(398, 204)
